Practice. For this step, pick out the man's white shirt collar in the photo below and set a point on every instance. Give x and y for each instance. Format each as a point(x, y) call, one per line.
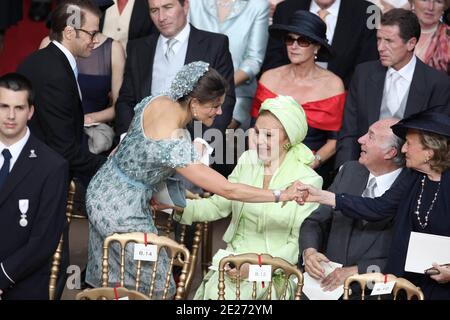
point(182, 36)
point(15, 149)
point(67, 53)
point(385, 181)
point(407, 72)
point(333, 9)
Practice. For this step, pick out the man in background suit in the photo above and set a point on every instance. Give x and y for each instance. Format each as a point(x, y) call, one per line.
point(127, 20)
point(149, 71)
point(398, 85)
point(59, 120)
point(33, 191)
point(352, 41)
point(361, 246)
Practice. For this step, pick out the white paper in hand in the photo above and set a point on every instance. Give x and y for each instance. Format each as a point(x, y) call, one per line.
point(424, 249)
point(312, 288)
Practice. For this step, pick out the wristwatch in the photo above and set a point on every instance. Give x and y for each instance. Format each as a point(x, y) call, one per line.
point(277, 194)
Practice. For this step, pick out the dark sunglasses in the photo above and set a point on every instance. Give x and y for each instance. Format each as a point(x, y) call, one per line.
point(301, 41)
point(92, 34)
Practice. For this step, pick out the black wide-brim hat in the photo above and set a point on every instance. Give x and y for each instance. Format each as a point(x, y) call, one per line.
point(429, 121)
point(309, 25)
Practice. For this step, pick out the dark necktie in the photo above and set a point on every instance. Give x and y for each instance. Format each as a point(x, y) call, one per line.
point(4, 171)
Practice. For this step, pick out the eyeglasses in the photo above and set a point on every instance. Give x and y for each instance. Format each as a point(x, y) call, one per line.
point(92, 34)
point(301, 41)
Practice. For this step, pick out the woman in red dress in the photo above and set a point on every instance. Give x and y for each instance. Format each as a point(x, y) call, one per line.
point(320, 92)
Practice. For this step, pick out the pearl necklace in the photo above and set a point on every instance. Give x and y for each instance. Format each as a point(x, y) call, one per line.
point(424, 225)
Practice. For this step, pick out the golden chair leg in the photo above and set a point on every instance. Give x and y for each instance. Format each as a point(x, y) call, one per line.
point(55, 270)
point(206, 247)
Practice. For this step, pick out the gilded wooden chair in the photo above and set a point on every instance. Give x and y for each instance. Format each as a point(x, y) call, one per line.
point(54, 272)
point(166, 228)
point(111, 294)
point(177, 253)
point(202, 238)
point(278, 264)
point(370, 279)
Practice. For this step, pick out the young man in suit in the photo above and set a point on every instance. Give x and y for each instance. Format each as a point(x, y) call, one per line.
point(33, 192)
point(152, 64)
point(398, 85)
point(361, 246)
point(351, 40)
point(59, 120)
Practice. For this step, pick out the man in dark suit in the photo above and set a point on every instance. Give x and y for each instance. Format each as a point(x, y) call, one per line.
point(33, 191)
point(123, 24)
point(352, 38)
point(149, 71)
point(397, 85)
point(58, 120)
point(361, 246)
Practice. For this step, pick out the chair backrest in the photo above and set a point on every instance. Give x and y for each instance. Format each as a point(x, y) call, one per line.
point(278, 264)
point(111, 294)
point(165, 226)
point(369, 279)
point(410, 289)
point(177, 254)
point(56, 262)
point(201, 238)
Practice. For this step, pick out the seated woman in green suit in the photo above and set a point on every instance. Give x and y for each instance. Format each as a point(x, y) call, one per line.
point(278, 159)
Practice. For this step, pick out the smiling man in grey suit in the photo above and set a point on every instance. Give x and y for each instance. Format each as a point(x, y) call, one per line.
point(359, 245)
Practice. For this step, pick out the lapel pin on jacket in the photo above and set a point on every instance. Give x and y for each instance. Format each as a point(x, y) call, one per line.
point(32, 154)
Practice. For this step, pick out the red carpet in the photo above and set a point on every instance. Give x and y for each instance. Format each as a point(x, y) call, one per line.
point(21, 40)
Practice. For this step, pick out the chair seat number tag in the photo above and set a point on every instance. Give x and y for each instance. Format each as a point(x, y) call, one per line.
point(260, 273)
point(382, 288)
point(145, 252)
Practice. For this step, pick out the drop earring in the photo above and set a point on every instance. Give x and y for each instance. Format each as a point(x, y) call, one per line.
point(286, 146)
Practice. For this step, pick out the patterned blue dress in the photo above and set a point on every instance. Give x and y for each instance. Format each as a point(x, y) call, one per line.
point(118, 196)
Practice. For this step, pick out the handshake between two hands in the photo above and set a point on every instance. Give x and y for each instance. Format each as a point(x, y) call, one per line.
point(302, 193)
point(297, 191)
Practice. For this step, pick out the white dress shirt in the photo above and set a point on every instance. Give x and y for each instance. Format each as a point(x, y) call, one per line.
point(384, 182)
point(15, 150)
point(72, 62)
point(181, 37)
point(406, 74)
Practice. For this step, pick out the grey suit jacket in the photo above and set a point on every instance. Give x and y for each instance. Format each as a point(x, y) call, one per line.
point(343, 239)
